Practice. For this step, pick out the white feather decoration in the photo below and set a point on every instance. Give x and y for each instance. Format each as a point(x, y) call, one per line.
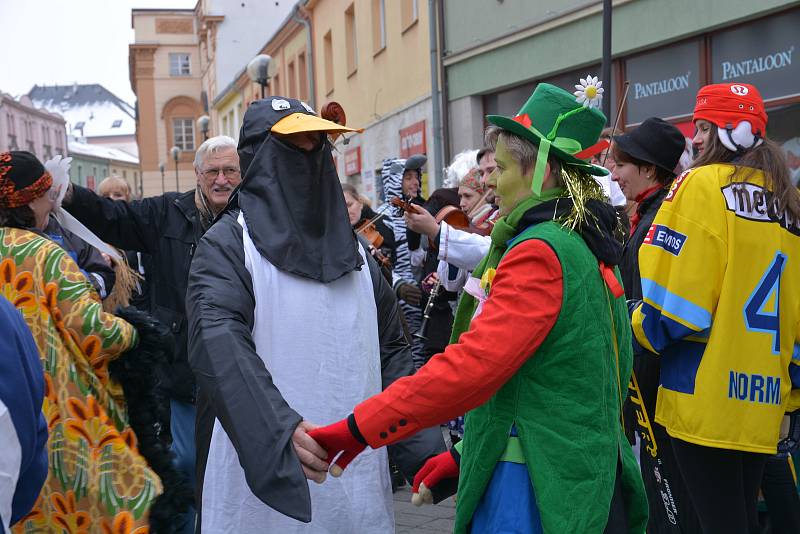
point(58, 167)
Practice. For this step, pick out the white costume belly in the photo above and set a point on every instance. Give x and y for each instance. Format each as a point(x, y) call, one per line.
point(320, 344)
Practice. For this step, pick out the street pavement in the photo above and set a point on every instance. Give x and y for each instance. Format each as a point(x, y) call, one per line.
point(426, 519)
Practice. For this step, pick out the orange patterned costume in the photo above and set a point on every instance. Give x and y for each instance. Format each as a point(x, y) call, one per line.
point(97, 479)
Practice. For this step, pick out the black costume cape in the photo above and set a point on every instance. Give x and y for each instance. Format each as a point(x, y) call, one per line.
point(291, 198)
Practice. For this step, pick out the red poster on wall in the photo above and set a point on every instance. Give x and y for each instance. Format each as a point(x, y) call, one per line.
point(412, 139)
point(352, 161)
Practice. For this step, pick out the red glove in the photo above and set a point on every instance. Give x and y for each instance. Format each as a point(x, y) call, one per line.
point(436, 469)
point(342, 436)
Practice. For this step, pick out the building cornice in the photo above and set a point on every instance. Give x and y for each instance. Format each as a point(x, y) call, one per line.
point(141, 62)
point(8, 100)
point(588, 9)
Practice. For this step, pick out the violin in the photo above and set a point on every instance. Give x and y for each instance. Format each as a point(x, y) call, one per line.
point(452, 215)
point(334, 112)
point(367, 229)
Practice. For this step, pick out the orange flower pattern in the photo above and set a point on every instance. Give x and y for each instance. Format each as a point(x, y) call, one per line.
point(122, 524)
point(97, 481)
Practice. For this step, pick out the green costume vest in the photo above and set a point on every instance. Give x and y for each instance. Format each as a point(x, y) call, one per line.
point(565, 403)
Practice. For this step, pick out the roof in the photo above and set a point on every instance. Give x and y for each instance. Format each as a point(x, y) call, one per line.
point(25, 103)
point(89, 108)
point(100, 151)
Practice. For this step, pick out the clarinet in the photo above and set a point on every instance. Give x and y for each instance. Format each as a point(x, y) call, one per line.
point(426, 314)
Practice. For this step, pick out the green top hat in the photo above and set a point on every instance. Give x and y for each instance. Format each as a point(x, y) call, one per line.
point(555, 121)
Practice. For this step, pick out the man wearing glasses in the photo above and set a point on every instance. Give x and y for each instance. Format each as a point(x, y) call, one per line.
point(167, 228)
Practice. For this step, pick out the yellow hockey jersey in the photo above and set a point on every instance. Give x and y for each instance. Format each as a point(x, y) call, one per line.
point(720, 276)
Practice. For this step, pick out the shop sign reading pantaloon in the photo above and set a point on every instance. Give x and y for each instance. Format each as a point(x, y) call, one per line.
point(763, 53)
point(663, 83)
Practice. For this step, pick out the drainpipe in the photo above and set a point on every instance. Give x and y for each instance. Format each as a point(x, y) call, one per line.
point(443, 93)
point(606, 65)
point(302, 19)
point(436, 127)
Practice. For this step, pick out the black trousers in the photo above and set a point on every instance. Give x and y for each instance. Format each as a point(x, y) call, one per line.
point(780, 494)
point(722, 485)
point(617, 515)
point(671, 510)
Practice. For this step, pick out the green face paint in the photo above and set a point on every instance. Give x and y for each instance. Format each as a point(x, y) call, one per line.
point(511, 185)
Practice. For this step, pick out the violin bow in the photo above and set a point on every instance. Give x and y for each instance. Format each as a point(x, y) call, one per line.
point(616, 121)
point(471, 211)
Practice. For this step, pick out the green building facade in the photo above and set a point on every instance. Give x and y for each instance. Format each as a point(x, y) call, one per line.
point(495, 52)
point(87, 171)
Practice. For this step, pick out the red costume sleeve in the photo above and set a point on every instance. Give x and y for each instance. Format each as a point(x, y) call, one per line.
point(523, 305)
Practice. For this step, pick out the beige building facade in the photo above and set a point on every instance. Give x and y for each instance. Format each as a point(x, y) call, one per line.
point(231, 33)
point(373, 58)
point(165, 72)
point(370, 56)
point(290, 75)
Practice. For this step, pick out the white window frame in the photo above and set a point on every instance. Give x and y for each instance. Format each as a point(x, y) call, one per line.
point(183, 134)
point(180, 64)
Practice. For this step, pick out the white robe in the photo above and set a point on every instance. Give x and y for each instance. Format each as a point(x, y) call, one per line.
point(460, 249)
point(320, 343)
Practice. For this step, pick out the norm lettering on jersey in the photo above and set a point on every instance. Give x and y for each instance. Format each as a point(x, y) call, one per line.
point(754, 203)
point(675, 185)
point(666, 238)
point(754, 388)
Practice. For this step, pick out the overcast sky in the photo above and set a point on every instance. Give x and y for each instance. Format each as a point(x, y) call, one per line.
point(49, 42)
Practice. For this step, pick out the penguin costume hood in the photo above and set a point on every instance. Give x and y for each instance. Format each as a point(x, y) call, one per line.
point(291, 198)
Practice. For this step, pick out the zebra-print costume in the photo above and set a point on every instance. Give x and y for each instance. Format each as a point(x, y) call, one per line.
point(392, 176)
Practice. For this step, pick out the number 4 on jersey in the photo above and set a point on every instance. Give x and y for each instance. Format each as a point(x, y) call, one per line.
point(755, 317)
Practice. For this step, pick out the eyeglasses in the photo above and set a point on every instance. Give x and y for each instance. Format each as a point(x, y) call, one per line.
point(229, 172)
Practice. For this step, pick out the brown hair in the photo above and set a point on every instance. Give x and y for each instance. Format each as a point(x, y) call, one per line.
point(768, 158)
point(350, 188)
point(481, 153)
point(662, 176)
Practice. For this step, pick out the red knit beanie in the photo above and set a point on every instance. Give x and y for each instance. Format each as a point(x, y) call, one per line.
point(728, 104)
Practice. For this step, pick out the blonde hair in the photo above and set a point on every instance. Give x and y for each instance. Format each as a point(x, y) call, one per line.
point(114, 183)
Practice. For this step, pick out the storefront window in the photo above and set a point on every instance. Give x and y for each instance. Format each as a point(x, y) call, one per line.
point(509, 101)
point(784, 128)
point(663, 83)
point(762, 53)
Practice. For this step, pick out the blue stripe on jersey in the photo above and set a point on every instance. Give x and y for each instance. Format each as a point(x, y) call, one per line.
point(695, 316)
point(794, 374)
point(796, 352)
point(679, 364)
point(661, 331)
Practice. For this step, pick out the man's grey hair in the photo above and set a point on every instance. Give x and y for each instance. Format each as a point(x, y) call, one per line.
point(211, 146)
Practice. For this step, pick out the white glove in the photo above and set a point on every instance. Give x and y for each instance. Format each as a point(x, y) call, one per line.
point(58, 167)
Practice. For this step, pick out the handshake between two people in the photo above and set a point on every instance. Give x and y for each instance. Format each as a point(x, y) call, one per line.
point(341, 442)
